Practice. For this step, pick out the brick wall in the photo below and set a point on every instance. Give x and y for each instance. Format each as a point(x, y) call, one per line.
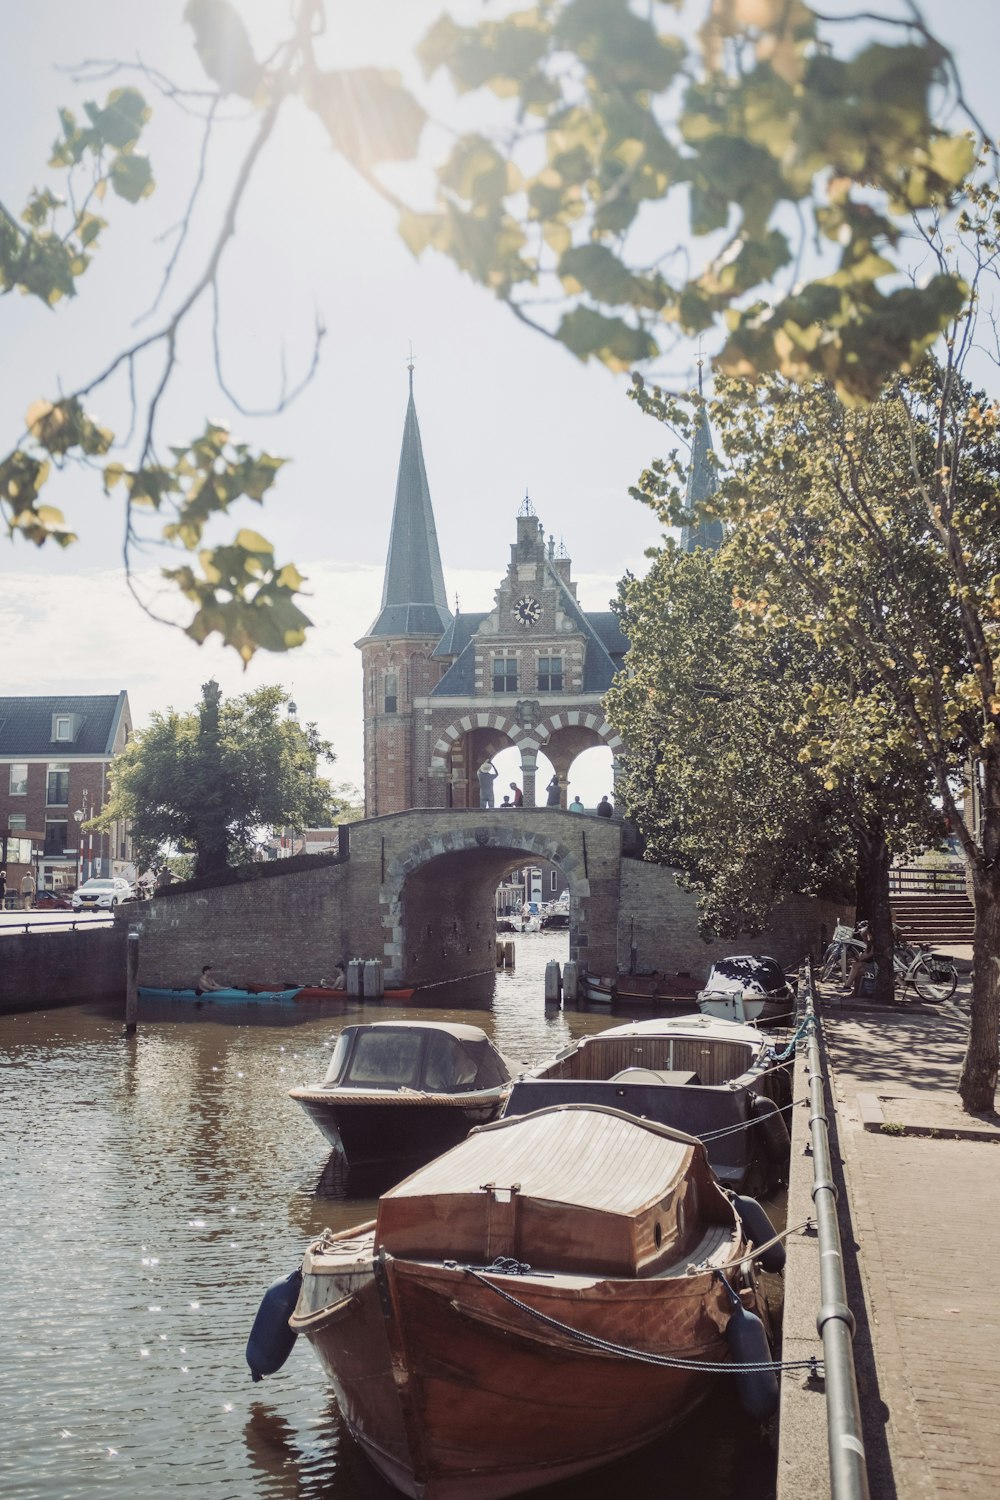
point(664, 919)
point(61, 968)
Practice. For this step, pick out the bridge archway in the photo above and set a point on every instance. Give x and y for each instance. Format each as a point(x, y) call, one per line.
point(438, 913)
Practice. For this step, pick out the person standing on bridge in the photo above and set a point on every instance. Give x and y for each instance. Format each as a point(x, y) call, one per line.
point(604, 808)
point(518, 800)
point(3, 888)
point(552, 792)
point(487, 775)
point(576, 805)
point(28, 890)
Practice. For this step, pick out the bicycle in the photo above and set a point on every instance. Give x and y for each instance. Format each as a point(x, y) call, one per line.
point(933, 975)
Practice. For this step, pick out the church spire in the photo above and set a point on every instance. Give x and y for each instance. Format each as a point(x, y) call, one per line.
point(701, 530)
point(414, 600)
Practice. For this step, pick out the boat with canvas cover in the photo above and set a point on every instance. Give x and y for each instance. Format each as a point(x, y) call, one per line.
point(401, 1092)
point(527, 1307)
point(713, 1078)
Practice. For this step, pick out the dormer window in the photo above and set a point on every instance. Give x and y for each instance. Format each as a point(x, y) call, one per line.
point(66, 727)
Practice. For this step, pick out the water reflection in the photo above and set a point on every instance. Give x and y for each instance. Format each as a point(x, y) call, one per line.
point(153, 1187)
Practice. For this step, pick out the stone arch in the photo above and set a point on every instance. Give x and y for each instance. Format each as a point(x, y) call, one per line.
point(579, 718)
point(480, 719)
point(515, 838)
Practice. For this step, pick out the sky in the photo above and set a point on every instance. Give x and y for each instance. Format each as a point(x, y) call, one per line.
point(502, 411)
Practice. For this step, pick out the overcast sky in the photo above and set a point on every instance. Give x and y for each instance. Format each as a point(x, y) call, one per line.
point(502, 411)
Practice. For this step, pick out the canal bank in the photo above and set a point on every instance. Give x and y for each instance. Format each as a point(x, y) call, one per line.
point(919, 1219)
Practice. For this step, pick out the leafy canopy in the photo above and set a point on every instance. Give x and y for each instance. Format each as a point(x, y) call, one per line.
point(213, 781)
point(634, 179)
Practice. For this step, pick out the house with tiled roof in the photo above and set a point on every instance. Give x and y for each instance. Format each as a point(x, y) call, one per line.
point(55, 755)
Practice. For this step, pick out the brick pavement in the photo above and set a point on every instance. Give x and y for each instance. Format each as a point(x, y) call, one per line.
point(925, 1212)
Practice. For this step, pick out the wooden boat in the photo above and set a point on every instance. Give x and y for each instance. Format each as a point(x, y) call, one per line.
point(497, 1328)
point(401, 1092)
point(643, 990)
point(220, 997)
point(705, 1076)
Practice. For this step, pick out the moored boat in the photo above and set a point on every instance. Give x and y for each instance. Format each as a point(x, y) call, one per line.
point(401, 1092)
point(225, 996)
point(709, 1077)
point(522, 1310)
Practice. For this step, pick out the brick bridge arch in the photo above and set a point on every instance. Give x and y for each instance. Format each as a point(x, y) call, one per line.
point(438, 890)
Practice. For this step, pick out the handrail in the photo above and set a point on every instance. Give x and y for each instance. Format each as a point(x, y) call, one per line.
point(835, 1321)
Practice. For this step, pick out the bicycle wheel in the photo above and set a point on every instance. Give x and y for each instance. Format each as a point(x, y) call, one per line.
point(934, 979)
point(831, 964)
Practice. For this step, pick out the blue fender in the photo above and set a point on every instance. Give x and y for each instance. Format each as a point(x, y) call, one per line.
point(757, 1389)
point(271, 1339)
point(759, 1229)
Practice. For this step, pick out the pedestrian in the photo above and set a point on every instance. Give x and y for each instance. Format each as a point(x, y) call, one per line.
point(3, 887)
point(163, 879)
point(604, 808)
point(576, 805)
point(518, 794)
point(552, 792)
point(487, 775)
point(28, 890)
point(505, 803)
point(205, 983)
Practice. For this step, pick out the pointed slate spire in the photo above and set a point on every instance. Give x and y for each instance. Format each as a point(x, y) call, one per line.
point(414, 601)
point(703, 531)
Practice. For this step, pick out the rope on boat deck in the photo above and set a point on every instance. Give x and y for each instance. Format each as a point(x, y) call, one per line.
point(622, 1351)
point(805, 1027)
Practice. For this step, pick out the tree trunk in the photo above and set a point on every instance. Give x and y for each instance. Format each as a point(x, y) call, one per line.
point(876, 883)
point(979, 1071)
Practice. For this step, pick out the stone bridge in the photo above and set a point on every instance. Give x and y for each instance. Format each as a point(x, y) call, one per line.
point(417, 889)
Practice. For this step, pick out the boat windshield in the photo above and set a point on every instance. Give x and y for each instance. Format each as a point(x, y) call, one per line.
point(391, 1057)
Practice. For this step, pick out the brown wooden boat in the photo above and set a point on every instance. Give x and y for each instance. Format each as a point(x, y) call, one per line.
point(503, 1323)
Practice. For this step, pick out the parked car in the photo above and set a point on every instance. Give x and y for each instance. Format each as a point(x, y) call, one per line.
point(102, 893)
point(46, 900)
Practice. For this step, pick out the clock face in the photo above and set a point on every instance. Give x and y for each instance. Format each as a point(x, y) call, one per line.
point(527, 611)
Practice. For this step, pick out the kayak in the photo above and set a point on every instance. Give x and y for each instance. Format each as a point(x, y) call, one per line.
point(324, 992)
point(221, 997)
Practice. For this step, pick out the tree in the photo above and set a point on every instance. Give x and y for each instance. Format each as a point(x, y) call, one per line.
point(715, 720)
point(760, 126)
point(209, 781)
point(876, 534)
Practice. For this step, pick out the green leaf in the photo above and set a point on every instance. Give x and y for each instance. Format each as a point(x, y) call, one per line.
point(132, 176)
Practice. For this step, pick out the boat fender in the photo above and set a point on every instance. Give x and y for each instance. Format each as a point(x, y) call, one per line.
point(773, 1130)
point(271, 1339)
point(747, 1340)
point(759, 1230)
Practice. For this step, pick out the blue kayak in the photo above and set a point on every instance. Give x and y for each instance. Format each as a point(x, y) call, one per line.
point(221, 997)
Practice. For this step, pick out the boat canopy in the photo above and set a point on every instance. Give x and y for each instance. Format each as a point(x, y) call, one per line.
point(431, 1057)
point(577, 1188)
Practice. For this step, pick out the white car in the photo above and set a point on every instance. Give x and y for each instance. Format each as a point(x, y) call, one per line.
point(102, 893)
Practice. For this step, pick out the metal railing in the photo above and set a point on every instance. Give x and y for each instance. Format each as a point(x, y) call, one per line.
point(934, 880)
point(835, 1321)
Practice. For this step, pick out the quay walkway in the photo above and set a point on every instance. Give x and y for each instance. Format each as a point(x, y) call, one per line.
point(921, 1230)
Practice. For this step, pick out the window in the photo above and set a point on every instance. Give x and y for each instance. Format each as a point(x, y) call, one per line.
point(391, 692)
point(18, 822)
point(553, 881)
point(550, 674)
point(57, 789)
point(63, 727)
point(56, 836)
point(505, 674)
point(19, 779)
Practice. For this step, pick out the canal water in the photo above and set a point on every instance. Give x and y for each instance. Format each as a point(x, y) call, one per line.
point(152, 1188)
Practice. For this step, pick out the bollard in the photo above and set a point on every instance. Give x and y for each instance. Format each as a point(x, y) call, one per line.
point(131, 983)
point(571, 981)
point(501, 954)
point(374, 986)
point(553, 982)
point(355, 974)
point(510, 954)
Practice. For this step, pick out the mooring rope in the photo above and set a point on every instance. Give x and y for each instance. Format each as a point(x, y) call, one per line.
point(623, 1351)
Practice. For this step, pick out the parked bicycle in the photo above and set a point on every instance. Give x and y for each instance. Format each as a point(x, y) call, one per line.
point(932, 975)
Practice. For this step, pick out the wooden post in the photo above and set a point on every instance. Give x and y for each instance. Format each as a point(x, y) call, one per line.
point(131, 983)
point(571, 981)
point(553, 982)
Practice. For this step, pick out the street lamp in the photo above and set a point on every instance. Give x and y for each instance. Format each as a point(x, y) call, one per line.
point(79, 818)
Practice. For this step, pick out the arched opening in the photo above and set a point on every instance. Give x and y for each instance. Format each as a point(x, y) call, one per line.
point(591, 776)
